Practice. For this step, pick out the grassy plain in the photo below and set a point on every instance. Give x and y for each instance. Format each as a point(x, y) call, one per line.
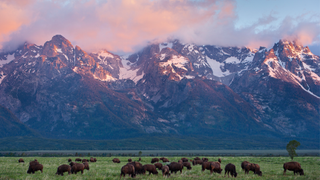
point(104, 168)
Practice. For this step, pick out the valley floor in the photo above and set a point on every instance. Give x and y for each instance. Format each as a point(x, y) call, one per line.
point(104, 168)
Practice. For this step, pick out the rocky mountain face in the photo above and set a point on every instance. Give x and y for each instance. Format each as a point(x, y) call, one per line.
point(61, 91)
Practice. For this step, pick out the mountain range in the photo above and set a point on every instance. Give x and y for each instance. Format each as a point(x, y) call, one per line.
point(168, 89)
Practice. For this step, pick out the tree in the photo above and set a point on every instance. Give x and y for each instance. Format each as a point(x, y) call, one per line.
point(291, 148)
point(140, 153)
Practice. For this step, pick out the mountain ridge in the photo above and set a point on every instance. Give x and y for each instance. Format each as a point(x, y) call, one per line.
point(63, 92)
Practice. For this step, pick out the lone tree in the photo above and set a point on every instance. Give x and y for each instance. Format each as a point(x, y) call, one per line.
point(291, 148)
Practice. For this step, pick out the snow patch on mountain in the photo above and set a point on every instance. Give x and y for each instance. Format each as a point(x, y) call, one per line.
point(165, 45)
point(177, 61)
point(9, 59)
point(248, 59)
point(216, 68)
point(102, 55)
point(2, 76)
point(128, 72)
point(232, 60)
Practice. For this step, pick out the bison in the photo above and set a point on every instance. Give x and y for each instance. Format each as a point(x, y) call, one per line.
point(243, 164)
point(21, 160)
point(63, 168)
point(187, 165)
point(129, 160)
point(69, 160)
point(115, 160)
point(139, 159)
point(137, 166)
point(35, 166)
point(195, 162)
point(205, 159)
point(158, 165)
point(252, 167)
point(86, 166)
point(164, 159)
point(206, 165)
point(76, 167)
point(150, 168)
point(196, 158)
point(78, 159)
point(230, 168)
point(215, 167)
point(84, 160)
point(128, 169)
point(293, 166)
point(153, 160)
point(174, 167)
point(165, 171)
point(184, 159)
point(93, 159)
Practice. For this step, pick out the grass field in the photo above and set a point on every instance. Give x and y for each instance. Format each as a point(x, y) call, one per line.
point(104, 168)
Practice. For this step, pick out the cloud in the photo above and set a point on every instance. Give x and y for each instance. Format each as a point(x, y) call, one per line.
point(127, 25)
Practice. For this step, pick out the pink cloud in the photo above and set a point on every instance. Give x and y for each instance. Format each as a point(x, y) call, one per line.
point(127, 25)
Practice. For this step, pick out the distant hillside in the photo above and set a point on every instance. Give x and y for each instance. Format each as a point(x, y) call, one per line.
point(154, 142)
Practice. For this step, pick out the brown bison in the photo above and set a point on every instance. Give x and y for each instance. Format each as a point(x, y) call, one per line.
point(69, 160)
point(219, 160)
point(164, 159)
point(34, 166)
point(230, 168)
point(63, 168)
point(78, 159)
point(76, 167)
point(129, 160)
point(215, 167)
point(115, 160)
point(93, 159)
point(243, 164)
point(86, 166)
point(165, 171)
point(150, 168)
point(293, 166)
point(205, 159)
point(187, 165)
point(184, 159)
point(128, 169)
point(85, 160)
point(153, 160)
point(196, 158)
point(206, 165)
point(139, 159)
point(21, 160)
point(195, 162)
point(137, 166)
point(158, 165)
point(252, 167)
point(174, 167)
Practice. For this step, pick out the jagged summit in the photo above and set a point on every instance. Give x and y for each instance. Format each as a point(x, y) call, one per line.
point(62, 91)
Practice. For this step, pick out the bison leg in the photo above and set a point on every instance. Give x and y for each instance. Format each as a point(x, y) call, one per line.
point(81, 171)
point(284, 172)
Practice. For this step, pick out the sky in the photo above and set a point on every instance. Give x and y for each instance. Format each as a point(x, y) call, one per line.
point(126, 26)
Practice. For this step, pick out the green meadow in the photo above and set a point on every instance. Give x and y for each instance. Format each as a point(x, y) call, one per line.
point(104, 168)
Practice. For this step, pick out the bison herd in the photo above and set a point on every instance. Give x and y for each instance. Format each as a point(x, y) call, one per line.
point(132, 168)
